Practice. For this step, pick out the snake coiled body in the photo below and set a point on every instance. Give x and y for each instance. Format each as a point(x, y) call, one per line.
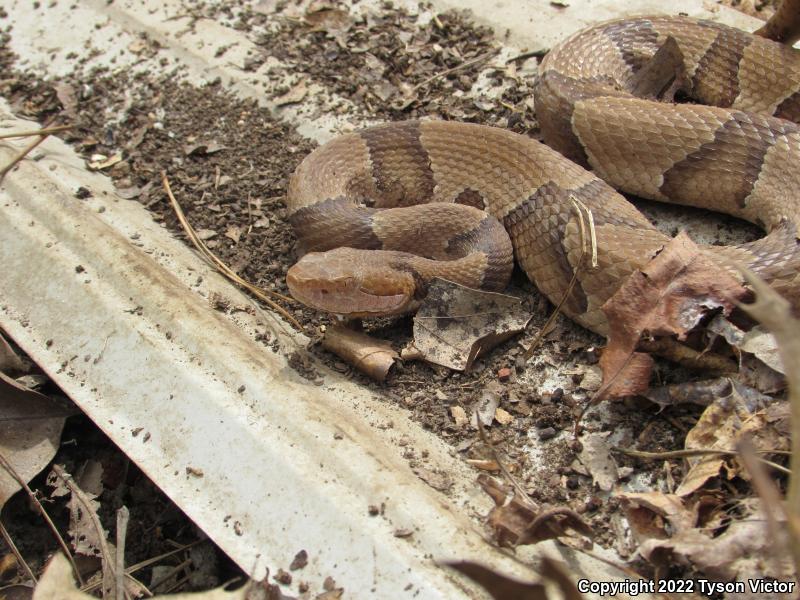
point(739, 155)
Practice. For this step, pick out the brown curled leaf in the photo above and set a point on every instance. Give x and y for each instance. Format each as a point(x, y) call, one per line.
point(519, 521)
point(371, 356)
point(499, 586)
point(669, 297)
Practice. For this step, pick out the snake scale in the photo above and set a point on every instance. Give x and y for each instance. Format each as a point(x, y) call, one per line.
point(386, 208)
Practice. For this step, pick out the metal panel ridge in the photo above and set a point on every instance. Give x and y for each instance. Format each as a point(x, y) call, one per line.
point(266, 462)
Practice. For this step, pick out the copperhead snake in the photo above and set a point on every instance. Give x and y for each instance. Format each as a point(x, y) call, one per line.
point(385, 209)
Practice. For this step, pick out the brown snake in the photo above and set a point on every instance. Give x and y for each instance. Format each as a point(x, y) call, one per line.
point(736, 151)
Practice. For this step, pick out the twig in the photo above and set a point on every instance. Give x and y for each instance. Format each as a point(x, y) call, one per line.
point(221, 266)
point(531, 54)
point(587, 245)
point(766, 490)
point(496, 456)
point(79, 495)
point(20, 560)
point(689, 453)
point(165, 577)
point(141, 565)
point(28, 149)
point(30, 132)
point(12, 471)
point(774, 311)
point(122, 529)
point(461, 67)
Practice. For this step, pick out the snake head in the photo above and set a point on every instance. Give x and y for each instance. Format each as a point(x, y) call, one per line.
point(352, 283)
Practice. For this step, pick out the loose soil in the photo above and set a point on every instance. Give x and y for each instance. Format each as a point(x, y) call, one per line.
point(228, 162)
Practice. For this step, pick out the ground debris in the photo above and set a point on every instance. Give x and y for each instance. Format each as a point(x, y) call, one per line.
point(516, 520)
point(371, 356)
point(669, 297)
point(455, 324)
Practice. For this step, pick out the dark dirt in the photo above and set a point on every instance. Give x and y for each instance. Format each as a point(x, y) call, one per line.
point(228, 162)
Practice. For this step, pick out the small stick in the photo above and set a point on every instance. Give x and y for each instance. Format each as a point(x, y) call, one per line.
point(10, 543)
point(765, 488)
point(13, 472)
point(462, 66)
point(141, 565)
point(122, 529)
point(496, 456)
point(17, 159)
point(689, 453)
point(223, 268)
point(30, 132)
point(530, 54)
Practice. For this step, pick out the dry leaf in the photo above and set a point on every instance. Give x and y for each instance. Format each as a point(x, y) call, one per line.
point(233, 233)
point(704, 392)
point(371, 356)
point(10, 363)
point(68, 98)
point(668, 297)
point(720, 427)
point(86, 538)
point(669, 535)
point(334, 21)
point(206, 234)
point(596, 457)
point(100, 162)
point(456, 324)
point(500, 587)
point(760, 362)
point(30, 432)
point(518, 521)
point(295, 94)
point(486, 406)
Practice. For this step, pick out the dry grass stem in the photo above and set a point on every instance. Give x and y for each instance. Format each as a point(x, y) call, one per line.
point(588, 245)
point(774, 312)
point(60, 540)
point(142, 565)
point(700, 452)
point(122, 529)
point(260, 293)
point(20, 560)
point(19, 157)
point(31, 132)
point(461, 67)
point(496, 456)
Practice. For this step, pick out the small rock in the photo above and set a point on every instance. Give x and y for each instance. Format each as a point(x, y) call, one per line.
point(503, 417)
point(283, 577)
point(504, 374)
point(300, 561)
point(547, 433)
